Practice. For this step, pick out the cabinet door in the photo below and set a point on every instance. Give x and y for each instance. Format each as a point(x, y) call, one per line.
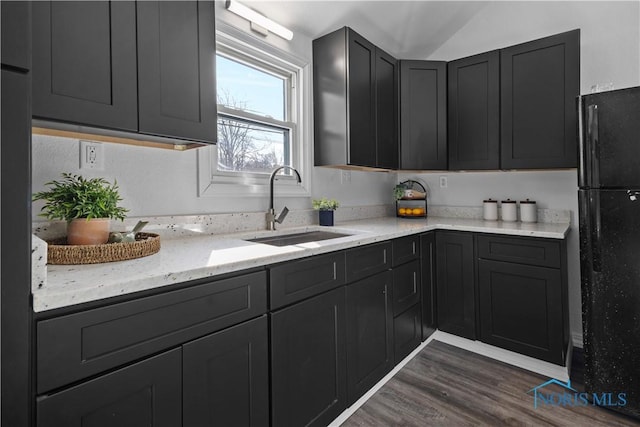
point(474, 112)
point(406, 332)
point(148, 393)
point(361, 84)
point(423, 115)
point(386, 110)
point(428, 280)
point(308, 361)
point(369, 333)
point(226, 377)
point(84, 63)
point(456, 294)
point(16, 34)
point(521, 309)
point(540, 81)
point(176, 69)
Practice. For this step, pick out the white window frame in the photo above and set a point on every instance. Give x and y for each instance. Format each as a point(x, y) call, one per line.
point(213, 182)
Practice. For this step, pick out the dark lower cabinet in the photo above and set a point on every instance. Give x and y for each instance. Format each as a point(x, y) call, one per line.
point(423, 115)
point(226, 377)
point(521, 309)
point(176, 69)
point(84, 63)
point(369, 333)
point(455, 288)
point(147, 393)
point(406, 286)
point(308, 361)
point(540, 81)
point(428, 281)
point(407, 332)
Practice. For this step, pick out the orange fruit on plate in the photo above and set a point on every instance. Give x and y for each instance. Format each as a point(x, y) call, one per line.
point(417, 211)
point(402, 211)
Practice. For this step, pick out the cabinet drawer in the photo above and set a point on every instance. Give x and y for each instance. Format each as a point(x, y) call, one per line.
point(368, 260)
point(406, 289)
point(79, 345)
point(297, 280)
point(406, 249)
point(523, 250)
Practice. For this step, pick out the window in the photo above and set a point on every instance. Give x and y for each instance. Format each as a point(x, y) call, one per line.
point(263, 118)
point(256, 130)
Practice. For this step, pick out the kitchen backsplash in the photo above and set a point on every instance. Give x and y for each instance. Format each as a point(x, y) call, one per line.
point(192, 225)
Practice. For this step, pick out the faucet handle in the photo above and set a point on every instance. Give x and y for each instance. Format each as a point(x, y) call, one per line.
point(282, 215)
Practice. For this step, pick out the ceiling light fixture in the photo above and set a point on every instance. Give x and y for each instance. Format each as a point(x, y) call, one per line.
point(259, 23)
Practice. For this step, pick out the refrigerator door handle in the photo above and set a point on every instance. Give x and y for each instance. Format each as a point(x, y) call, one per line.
point(592, 135)
point(596, 231)
point(583, 158)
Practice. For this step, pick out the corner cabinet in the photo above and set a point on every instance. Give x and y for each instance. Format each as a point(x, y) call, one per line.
point(354, 92)
point(146, 67)
point(540, 81)
point(474, 112)
point(423, 115)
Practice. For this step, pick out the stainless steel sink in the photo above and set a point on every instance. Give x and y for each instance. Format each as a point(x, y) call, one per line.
point(294, 239)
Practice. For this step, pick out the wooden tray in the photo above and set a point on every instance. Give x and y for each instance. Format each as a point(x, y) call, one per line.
point(59, 253)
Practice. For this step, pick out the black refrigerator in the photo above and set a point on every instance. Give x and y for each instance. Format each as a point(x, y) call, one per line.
point(609, 206)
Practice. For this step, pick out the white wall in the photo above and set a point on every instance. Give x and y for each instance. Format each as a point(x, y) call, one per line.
point(610, 52)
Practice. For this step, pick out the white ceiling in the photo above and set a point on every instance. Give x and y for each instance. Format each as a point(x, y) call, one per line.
point(405, 29)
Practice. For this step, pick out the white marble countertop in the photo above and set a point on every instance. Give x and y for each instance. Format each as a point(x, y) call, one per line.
point(199, 256)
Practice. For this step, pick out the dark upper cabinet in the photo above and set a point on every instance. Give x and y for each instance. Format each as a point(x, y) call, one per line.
point(474, 112)
point(146, 67)
point(176, 69)
point(147, 393)
point(456, 283)
point(540, 81)
point(361, 88)
point(423, 115)
point(16, 34)
point(369, 333)
point(226, 377)
point(428, 281)
point(348, 128)
point(84, 63)
point(386, 110)
point(308, 361)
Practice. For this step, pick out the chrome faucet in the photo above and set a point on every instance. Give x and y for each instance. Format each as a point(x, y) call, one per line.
point(271, 213)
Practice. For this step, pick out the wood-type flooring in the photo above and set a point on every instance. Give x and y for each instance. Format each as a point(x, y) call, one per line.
point(448, 386)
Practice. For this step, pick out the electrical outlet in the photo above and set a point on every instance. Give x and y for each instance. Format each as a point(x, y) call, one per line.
point(91, 155)
point(345, 177)
point(443, 182)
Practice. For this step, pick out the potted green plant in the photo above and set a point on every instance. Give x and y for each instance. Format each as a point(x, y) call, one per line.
point(87, 205)
point(325, 208)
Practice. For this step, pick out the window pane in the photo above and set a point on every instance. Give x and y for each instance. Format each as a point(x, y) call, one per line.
point(245, 88)
point(251, 147)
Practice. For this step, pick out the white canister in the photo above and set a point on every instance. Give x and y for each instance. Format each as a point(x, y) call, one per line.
point(490, 208)
point(528, 211)
point(509, 210)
